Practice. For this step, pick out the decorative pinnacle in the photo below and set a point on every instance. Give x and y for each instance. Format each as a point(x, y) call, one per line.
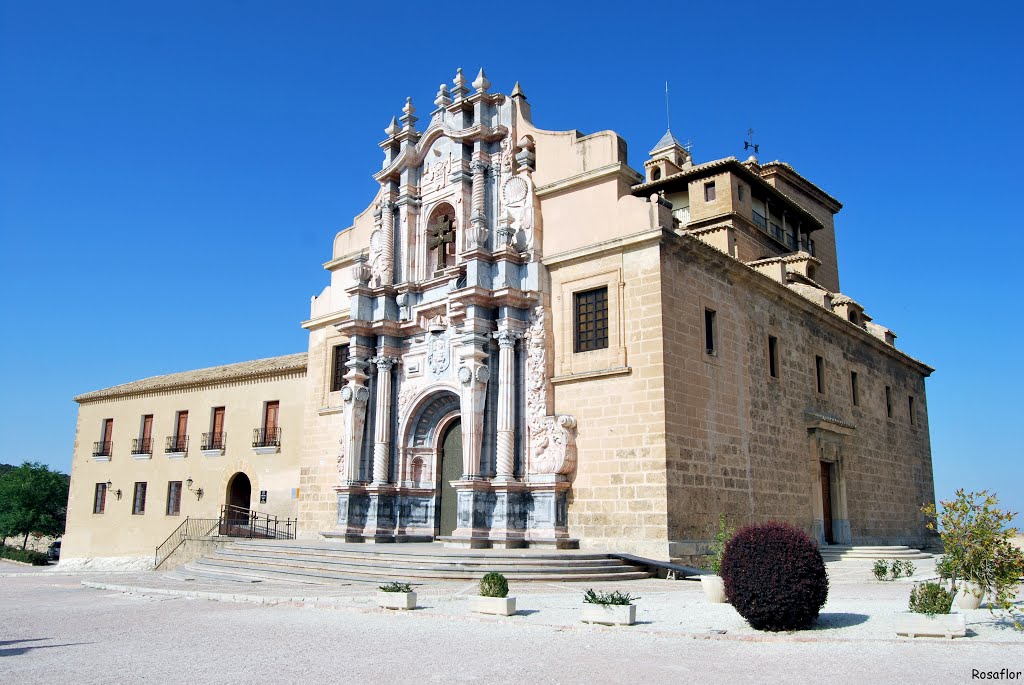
point(481, 83)
point(460, 90)
point(408, 119)
point(392, 129)
point(517, 91)
point(442, 99)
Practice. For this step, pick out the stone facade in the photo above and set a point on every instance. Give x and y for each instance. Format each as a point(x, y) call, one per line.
point(445, 394)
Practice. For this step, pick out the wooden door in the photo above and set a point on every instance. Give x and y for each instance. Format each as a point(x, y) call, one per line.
point(108, 435)
point(826, 500)
point(147, 432)
point(270, 417)
point(451, 469)
point(182, 424)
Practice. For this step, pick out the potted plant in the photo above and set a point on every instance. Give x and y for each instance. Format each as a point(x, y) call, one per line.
point(712, 584)
point(979, 557)
point(609, 608)
point(396, 595)
point(930, 615)
point(493, 598)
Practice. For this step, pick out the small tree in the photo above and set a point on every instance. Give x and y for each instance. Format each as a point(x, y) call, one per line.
point(978, 547)
point(717, 546)
point(33, 499)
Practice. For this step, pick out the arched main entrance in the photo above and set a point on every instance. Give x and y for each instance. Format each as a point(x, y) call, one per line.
point(451, 469)
point(237, 497)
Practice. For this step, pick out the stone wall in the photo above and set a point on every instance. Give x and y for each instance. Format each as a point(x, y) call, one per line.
point(738, 440)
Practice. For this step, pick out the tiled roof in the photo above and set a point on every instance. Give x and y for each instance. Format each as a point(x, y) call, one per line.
point(213, 374)
point(667, 140)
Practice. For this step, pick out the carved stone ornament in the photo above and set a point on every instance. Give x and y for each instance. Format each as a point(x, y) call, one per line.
point(362, 394)
point(517, 195)
point(346, 393)
point(405, 398)
point(551, 439)
point(341, 460)
point(483, 374)
point(465, 375)
point(438, 353)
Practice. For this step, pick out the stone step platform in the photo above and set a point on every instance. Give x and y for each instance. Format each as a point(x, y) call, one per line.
point(848, 552)
point(327, 562)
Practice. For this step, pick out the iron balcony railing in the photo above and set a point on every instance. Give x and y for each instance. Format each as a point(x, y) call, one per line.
point(214, 441)
point(102, 448)
point(240, 522)
point(759, 219)
point(266, 437)
point(176, 444)
point(142, 446)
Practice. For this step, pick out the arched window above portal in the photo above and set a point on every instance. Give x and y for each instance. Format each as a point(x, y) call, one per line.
point(440, 239)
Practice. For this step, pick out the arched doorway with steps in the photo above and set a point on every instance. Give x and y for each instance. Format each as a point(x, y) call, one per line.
point(237, 497)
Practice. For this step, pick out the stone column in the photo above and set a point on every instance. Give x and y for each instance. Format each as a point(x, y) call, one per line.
point(382, 427)
point(506, 404)
point(387, 247)
point(355, 395)
point(478, 217)
point(473, 376)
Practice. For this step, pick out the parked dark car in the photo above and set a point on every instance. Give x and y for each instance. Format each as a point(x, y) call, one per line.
point(54, 551)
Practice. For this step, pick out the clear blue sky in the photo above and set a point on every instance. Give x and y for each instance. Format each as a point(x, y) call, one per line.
point(172, 173)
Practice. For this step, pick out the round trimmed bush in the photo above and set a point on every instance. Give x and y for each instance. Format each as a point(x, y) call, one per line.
point(493, 585)
point(774, 576)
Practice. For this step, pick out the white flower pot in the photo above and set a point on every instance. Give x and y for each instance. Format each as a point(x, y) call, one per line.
point(500, 606)
point(714, 588)
point(939, 625)
point(969, 595)
point(397, 600)
point(609, 614)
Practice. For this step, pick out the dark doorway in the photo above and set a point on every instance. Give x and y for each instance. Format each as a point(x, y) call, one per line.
point(826, 500)
point(451, 469)
point(238, 497)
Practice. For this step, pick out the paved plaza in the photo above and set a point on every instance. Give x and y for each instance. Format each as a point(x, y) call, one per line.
point(54, 629)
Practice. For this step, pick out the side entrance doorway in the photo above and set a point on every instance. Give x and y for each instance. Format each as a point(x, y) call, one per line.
point(451, 469)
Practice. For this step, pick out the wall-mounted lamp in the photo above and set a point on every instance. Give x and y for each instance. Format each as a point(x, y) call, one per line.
point(198, 492)
point(116, 493)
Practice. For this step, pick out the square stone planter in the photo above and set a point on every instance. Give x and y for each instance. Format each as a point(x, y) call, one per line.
point(500, 606)
point(609, 614)
point(939, 625)
point(397, 600)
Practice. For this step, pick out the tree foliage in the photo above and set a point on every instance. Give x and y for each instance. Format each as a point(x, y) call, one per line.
point(978, 546)
point(33, 499)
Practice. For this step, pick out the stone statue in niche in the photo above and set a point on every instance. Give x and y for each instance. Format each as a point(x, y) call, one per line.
point(551, 439)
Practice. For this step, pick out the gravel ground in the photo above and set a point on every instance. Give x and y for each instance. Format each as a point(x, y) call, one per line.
point(52, 629)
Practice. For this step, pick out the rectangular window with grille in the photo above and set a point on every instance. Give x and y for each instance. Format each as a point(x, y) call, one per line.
point(339, 368)
point(590, 327)
point(139, 500)
point(174, 498)
point(99, 503)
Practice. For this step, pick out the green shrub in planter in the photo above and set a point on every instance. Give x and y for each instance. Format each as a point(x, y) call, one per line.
point(774, 576)
point(931, 599)
point(395, 587)
point(493, 585)
point(615, 598)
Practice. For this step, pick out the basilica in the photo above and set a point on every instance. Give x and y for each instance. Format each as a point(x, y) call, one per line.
point(524, 342)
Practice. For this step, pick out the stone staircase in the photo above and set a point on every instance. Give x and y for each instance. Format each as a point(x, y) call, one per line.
point(324, 562)
point(848, 552)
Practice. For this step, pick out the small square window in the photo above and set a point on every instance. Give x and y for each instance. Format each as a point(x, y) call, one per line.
point(590, 326)
point(339, 368)
point(709, 192)
point(741, 193)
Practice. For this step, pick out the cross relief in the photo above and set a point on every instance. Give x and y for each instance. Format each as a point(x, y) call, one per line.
point(439, 237)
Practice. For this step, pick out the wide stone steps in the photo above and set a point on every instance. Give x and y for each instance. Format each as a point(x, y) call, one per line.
point(847, 552)
point(327, 563)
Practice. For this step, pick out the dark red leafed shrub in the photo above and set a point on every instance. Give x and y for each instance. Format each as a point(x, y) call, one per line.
point(774, 576)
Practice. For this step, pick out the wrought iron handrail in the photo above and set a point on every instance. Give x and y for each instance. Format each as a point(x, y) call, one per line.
point(266, 437)
point(189, 528)
point(214, 441)
point(102, 448)
point(760, 220)
point(142, 445)
point(240, 522)
point(176, 444)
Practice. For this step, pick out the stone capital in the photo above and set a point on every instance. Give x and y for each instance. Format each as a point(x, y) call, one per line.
point(507, 337)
